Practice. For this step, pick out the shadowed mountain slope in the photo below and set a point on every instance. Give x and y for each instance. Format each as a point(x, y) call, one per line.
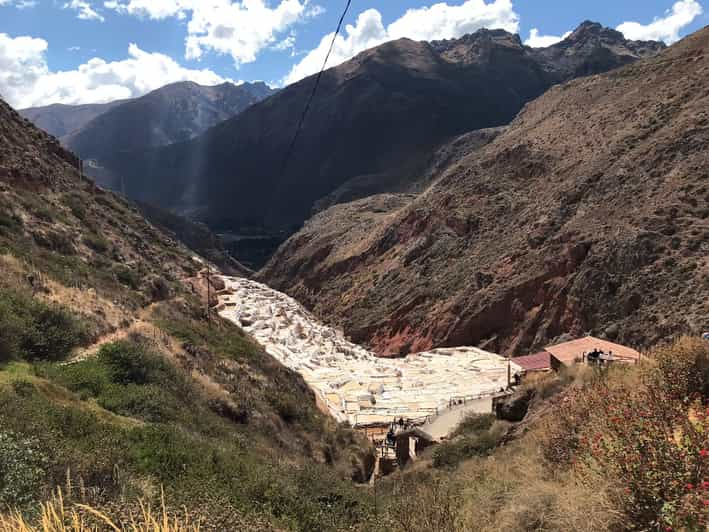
point(376, 119)
point(60, 120)
point(589, 213)
point(174, 113)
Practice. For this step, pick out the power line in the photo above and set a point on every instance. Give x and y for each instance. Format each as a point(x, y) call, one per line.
point(315, 89)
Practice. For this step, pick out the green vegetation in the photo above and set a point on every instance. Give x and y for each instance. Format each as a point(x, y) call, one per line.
point(38, 208)
point(127, 276)
point(22, 466)
point(130, 381)
point(96, 242)
point(9, 223)
point(475, 423)
point(77, 207)
point(56, 241)
point(198, 456)
point(33, 330)
point(477, 435)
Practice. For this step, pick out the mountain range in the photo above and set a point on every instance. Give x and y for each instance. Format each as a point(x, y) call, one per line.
point(173, 113)
point(589, 213)
point(374, 126)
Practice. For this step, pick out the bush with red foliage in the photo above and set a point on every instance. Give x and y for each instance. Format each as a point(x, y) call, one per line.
point(648, 433)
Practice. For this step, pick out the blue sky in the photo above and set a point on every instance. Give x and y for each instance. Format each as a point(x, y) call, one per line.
point(80, 51)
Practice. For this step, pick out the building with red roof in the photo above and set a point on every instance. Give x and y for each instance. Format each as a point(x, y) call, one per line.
point(576, 351)
point(537, 362)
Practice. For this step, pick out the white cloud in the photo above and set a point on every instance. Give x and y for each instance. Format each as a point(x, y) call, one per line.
point(536, 40)
point(286, 44)
point(240, 29)
point(19, 4)
point(84, 10)
point(439, 21)
point(666, 28)
point(153, 9)
point(27, 81)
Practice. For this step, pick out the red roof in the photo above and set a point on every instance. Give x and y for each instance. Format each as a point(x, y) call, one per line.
point(571, 352)
point(537, 362)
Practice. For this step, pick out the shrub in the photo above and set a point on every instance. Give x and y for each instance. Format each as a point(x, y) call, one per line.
point(89, 378)
point(130, 363)
point(683, 369)
point(475, 423)
point(286, 407)
point(150, 403)
point(51, 334)
point(77, 207)
point(33, 330)
point(55, 241)
point(96, 242)
point(10, 331)
point(648, 437)
point(7, 220)
point(22, 469)
point(450, 454)
point(127, 276)
point(9, 223)
point(43, 213)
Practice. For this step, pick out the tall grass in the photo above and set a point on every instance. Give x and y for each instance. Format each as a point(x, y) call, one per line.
point(56, 516)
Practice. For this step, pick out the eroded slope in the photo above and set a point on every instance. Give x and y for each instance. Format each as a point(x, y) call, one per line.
point(588, 214)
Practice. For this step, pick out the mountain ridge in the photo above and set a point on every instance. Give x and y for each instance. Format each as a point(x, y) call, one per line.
point(75, 125)
point(380, 114)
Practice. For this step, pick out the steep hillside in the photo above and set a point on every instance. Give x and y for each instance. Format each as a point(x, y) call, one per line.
point(589, 213)
point(60, 120)
point(376, 121)
point(174, 113)
point(113, 384)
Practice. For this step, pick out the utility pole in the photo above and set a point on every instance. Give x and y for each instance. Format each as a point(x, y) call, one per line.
point(376, 506)
point(209, 295)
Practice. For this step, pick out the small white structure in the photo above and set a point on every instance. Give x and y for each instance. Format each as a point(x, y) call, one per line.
point(353, 383)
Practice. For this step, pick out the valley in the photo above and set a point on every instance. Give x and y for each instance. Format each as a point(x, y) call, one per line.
point(455, 281)
point(355, 385)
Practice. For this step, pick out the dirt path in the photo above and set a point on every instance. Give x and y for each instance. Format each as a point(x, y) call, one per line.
point(140, 325)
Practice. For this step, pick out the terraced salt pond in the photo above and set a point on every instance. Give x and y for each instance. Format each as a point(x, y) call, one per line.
point(351, 382)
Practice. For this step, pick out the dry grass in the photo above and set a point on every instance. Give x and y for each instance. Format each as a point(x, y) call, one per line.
point(516, 490)
point(55, 516)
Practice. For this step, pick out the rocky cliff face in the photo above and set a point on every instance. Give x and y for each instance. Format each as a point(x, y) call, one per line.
point(589, 213)
point(372, 128)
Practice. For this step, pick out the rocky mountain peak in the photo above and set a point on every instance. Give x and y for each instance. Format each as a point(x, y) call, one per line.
point(478, 46)
point(595, 33)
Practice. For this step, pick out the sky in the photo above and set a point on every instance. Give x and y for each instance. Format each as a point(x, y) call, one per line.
point(94, 51)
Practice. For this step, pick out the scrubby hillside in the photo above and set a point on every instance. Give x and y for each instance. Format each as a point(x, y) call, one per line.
point(113, 386)
point(589, 213)
point(619, 449)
